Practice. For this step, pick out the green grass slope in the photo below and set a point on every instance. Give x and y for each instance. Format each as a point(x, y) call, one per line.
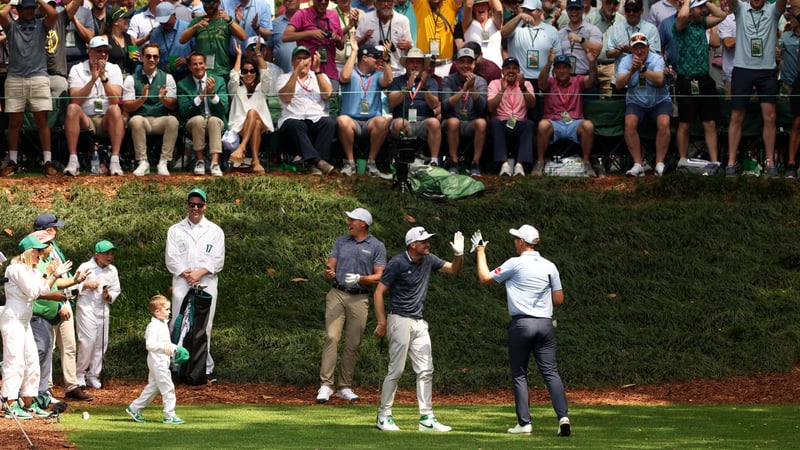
point(667, 279)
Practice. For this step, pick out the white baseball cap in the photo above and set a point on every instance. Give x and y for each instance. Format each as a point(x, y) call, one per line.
point(360, 214)
point(527, 233)
point(252, 40)
point(417, 234)
point(532, 4)
point(98, 41)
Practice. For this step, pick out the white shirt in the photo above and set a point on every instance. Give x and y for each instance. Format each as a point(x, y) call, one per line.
point(25, 284)
point(241, 103)
point(530, 282)
point(105, 276)
point(80, 74)
point(156, 340)
point(142, 24)
point(307, 103)
point(398, 29)
point(491, 48)
point(191, 246)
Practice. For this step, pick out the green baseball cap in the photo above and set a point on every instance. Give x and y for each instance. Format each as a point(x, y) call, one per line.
point(104, 246)
point(29, 242)
point(199, 192)
point(300, 48)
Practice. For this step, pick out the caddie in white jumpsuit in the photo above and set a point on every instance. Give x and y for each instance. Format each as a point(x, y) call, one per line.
point(195, 254)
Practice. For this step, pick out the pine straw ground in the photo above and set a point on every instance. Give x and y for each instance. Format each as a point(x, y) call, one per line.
point(767, 388)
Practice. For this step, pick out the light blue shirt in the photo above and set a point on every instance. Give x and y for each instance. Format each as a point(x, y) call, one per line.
point(249, 11)
point(648, 95)
point(750, 25)
point(169, 43)
point(353, 94)
point(528, 39)
point(791, 47)
point(281, 51)
point(530, 282)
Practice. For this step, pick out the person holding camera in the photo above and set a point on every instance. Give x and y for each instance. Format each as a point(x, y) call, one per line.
point(533, 287)
point(317, 28)
point(97, 292)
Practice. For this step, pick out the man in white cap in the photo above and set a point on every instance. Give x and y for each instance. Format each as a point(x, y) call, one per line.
point(463, 97)
point(406, 279)
point(414, 103)
point(533, 287)
point(355, 265)
point(95, 89)
point(27, 81)
point(642, 72)
point(253, 16)
point(167, 36)
point(619, 35)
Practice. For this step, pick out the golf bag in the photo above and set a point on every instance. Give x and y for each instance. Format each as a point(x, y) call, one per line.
point(190, 332)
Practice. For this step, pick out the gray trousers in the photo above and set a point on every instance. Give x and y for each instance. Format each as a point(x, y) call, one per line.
point(532, 334)
point(43, 336)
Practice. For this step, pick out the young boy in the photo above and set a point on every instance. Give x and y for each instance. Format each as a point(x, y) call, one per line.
point(99, 290)
point(159, 351)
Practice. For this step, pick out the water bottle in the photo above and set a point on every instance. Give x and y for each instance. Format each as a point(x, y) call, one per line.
point(95, 163)
point(601, 168)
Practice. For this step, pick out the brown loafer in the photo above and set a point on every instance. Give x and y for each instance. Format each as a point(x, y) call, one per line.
point(9, 169)
point(78, 394)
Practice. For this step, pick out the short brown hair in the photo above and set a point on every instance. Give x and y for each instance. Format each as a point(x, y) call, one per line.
point(157, 301)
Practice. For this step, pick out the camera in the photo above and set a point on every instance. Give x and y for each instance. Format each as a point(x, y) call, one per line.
point(328, 34)
point(71, 293)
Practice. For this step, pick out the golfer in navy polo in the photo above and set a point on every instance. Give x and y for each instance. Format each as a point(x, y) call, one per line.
point(406, 278)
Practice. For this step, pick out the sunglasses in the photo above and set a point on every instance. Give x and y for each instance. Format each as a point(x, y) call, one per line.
point(251, 47)
point(246, 71)
point(193, 205)
point(632, 10)
point(153, 57)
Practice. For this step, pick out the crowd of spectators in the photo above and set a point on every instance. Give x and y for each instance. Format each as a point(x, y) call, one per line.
point(508, 74)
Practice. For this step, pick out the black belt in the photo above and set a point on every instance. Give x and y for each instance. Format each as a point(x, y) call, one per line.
point(605, 63)
point(525, 316)
point(406, 316)
point(352, 291)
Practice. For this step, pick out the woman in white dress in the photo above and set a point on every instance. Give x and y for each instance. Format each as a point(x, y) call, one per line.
point(249, 116)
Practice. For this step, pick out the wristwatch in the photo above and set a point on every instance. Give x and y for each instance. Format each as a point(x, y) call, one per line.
point(583, 39)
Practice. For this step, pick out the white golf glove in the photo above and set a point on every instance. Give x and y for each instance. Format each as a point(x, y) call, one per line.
point(63, 268)
point(351, 279)
point(458, 243)
point(477, 241)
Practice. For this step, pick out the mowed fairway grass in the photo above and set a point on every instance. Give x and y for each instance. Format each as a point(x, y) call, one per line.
point(474, 427)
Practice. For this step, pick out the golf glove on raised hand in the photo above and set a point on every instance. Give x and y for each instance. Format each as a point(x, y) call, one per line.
point(477, 241)
point(458, 243)
point(351, 279)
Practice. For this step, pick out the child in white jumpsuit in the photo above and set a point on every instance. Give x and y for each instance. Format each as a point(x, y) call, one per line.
point(159, 350)
point(99, 290)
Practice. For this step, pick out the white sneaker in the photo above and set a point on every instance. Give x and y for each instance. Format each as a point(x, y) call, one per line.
point(142, 169)
point(519, 170)
point(429, 423)
point(659, 169)
point(348, 168)
point(324, 394)
point(386, 423)
point(347, 394)
point(636, 171)
point(72, 168)
point(162, 168)
point(114, 168)
point(521, 429)
point(93, 383)
point(505, 169)
point(216, 171)
point(563, 427)
point(372, 171)
point(200, 167)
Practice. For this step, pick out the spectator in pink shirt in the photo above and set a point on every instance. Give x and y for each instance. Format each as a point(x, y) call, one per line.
point(510, 97)
point(317, 28)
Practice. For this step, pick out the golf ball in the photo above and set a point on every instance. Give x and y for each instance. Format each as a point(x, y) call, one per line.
point(85, 415)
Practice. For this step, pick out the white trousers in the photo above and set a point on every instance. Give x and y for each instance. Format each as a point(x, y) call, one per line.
point(158, 381)
point(408, 338)
point(20, 359)
point(92, 324)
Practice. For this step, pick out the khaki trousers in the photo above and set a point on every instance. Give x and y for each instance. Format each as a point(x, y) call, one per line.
point(346, 312)
point(141, 126)
point(199, 126)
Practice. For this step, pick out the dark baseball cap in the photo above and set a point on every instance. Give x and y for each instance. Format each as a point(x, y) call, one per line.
point(47, 220)
point(510, 60)
point(561, 59)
